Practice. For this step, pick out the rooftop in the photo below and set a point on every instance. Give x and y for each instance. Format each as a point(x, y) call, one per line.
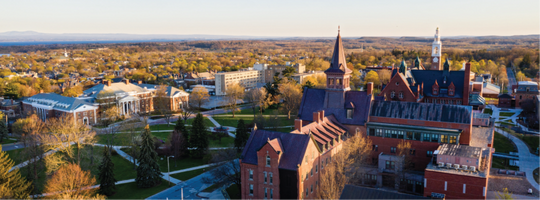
point(459, 150)
point(422, 111)
point(481, 136)
point(527, 83)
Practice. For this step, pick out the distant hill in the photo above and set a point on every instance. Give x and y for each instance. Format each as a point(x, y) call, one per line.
point(32, 36)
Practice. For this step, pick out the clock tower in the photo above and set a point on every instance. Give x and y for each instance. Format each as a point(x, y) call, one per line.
point(436, 52)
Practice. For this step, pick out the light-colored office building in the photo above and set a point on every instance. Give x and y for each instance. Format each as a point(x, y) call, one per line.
point(299, 78)
point(248, 79)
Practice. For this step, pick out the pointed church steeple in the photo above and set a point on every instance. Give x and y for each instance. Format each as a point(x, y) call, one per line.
point(338, 62)
point(446, 66)
point(417, 63)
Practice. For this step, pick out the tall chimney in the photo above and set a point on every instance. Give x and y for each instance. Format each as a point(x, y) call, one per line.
point(369, 88)
point(109, 83)
point(321, 115)
point(126, 81)
point(298, 125)
point(316, 117)
point(140, 82)
point(466, 81)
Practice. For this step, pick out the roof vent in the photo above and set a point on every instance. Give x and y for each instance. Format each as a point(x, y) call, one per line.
point(448, 165)
point(456, 166)
point(441, 164)
point(472, 168)
point(464, 167)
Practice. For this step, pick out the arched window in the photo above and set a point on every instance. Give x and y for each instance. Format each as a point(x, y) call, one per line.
point(392, 94)
point(268, 161)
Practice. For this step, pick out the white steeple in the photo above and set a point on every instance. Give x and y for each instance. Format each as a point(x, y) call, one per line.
point(436, 51)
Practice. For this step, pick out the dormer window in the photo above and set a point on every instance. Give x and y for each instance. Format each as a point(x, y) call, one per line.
point(435, 91)
point(268, 161)
point(451, 92)
point(350, 113)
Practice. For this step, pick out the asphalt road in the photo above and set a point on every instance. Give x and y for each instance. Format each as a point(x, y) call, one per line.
point(511, 79)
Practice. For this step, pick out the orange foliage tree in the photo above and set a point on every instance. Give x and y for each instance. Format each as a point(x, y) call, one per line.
point(70, 182)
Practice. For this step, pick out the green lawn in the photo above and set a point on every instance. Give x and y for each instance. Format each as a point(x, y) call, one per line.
point(131, 191)
point(8, 141)
point(249, 111)
point(123, 169)
point(207, 122)
point(182, 163)
point(234, 192)
point(506, 114)
point(225, 142)
point(502, 144)
point(488, 111)
point(532, 141)
point(211, 188)
point(229, 121)
point(14, 155)
point(502, 163)
point(184, 176)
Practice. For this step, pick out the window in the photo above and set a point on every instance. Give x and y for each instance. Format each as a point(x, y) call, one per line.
point(390, 164)
point(417, 136)
point(265, 193)
point(435, 137)
point(392, 94)
point(316, 168)
point(271, 193)
point(379, 132)
point(394, 134)
point(268, 161)
point(311, 188)
point(307, 192)
point(250, 189)
point(400, 134)
point(271, 178)
point(458, 102)
point(302, 178)
point(450, 102)
point(388, 133)
point(429, 153)
point(349, 113)
point(311, 171)
point(409, 135)
point(392, 149)
point(265, 177)
point(401, 95)
point(426, 137)
point(444, 138)
point(453, 139)
point(375, 148)
point(250, 174)
point(412, 151)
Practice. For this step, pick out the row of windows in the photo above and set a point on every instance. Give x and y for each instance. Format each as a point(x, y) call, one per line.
point(393, 94)
point(307, 191)
point(266, 177)
point(409, 135)
point(443, 101)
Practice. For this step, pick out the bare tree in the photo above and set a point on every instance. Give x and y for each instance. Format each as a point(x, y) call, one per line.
point(291, 94)
point(199, 96)
point(404, 164)
point(187, 111)
point(257, 97)
point(345, 165)
point(235, 93)
point(384, 76)
point(162, 103)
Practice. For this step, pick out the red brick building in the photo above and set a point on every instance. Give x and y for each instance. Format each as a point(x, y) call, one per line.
point(48, 105)
point(525, 90)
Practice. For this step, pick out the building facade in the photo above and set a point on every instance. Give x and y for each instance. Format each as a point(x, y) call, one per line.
point(50, 105)
point(525, 90)
point(247, 79)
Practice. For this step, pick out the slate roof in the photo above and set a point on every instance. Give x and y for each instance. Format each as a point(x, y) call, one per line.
point(422, 111)
point(324, 132)
point(357, 192)
point(58, 101)
point(338, 63)
point(293, 146)
point(313, 101)
point(171, 91)
point(505, 96)
point(115, 87)
point(428, 77)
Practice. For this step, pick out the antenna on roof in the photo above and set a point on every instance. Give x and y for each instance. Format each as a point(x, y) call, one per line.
point(338, 29)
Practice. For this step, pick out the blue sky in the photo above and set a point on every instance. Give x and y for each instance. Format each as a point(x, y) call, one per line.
point(274, 18)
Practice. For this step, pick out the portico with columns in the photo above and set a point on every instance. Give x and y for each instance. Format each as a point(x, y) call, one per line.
point(129, 105)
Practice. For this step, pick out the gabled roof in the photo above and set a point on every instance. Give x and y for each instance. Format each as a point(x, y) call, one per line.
point(171, 91)
point(428, 77)
point(276, 145)
point(293, 147)
point(313, 101)
point(338, 64)
point(422, 111)
point(116, 88)
point(324, 132)
point(58, 101)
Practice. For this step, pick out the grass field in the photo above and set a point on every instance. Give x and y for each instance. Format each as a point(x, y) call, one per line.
point(506, 114)
point(502, 163)
point(207, 122)
point(532, 141)
point(14, 155)
point(234, 192)
point(8, 141)
point(502, 144)
point(131, 191)
point(182, 163)
point(229, 121)
point(225, 142)
point(211, 188)
point(184, 176)
point(249, 111)
point(488, 111)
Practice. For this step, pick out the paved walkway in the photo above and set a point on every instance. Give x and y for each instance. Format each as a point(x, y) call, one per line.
point(513, 118)
point(527, 161)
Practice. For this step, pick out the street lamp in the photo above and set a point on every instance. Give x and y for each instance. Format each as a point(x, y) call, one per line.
point(169, 169)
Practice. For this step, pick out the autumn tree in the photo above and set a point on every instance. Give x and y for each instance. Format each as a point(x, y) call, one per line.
point(199, 96)
point(344, 166)
point(234, 95)
point(29, 131)
point(291, 94)
point(12, 184)
point(257, 97)
point(148, 172)
point(404, 163)
point(372, 76)
point(3, 127)
point(71, 182)
point(384, 76)
point(107, 182)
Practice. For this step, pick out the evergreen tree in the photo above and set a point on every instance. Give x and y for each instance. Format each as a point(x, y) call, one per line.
point(308, 84)
point(106, 174)
point(242, 135)
point(148, 172)
point(198, 137)
point(3, 130)
point(12, 184)
point(181, 127)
